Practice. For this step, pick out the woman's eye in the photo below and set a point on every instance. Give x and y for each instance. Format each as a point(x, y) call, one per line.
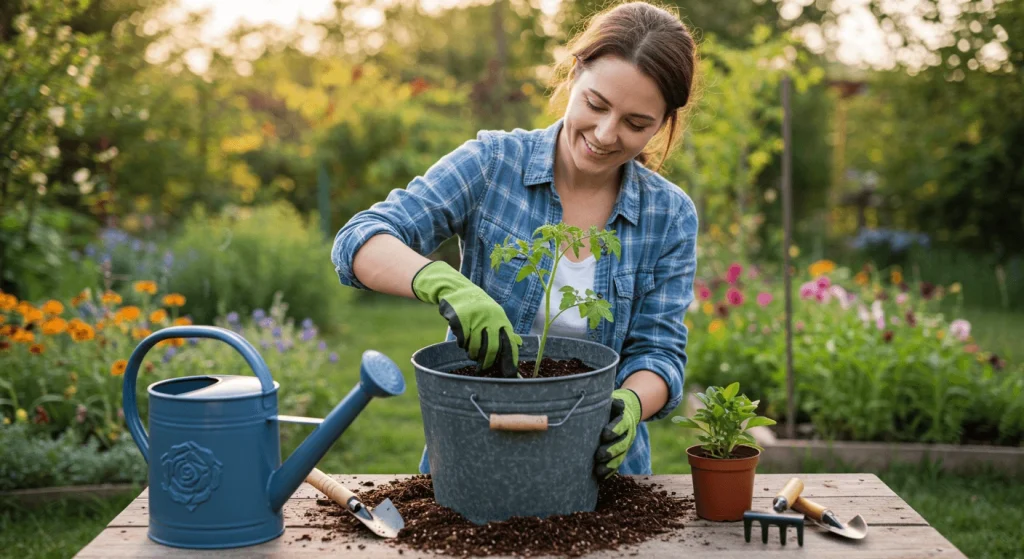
point(635, 127)
point(593, 107)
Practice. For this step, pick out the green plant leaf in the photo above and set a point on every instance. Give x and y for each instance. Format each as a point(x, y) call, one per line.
point(759, 422)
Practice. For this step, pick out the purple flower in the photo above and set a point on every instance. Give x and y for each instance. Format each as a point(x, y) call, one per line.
point(308, 334)
point(169, 354)
point(281, 346)
point(267, 322)
point(333, 357)
point(193, 341)
point(322, 346)
point(307, 324)
point(276, 332)
point(232, 317)
point(264, 344)
point(259, 314)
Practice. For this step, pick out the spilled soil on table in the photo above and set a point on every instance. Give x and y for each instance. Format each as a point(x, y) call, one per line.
point(627, 513)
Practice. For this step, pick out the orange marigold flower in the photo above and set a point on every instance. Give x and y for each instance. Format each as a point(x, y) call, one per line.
point(31, 315)
point(896, 276)
point(111, 298)
point(37, 349)
point(139, 333)
point(55, 326)
point(80, 298)
point(821, 267)
point(129, 313)
point(117, 369)
point(173, 342)
point(101, 325)
point(861, 278)
point(174, 300)
point(145, 287)
point(53, 307)
point(182, 321)
point(8, 329)
point(7, 302)
point(158, 315)
point(23, 336)
point(83, 333)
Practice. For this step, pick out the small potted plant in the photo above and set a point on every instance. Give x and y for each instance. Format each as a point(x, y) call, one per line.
point(523, 446)
point(723, 465)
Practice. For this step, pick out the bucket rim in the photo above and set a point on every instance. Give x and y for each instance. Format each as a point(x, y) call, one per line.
point(419, 367)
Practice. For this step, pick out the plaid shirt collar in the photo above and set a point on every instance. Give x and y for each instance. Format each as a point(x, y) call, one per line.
point(541, 170)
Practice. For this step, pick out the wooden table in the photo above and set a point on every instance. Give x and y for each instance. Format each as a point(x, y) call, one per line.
point(894, 528)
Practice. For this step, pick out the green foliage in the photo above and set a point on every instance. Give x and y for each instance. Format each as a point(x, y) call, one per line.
point(547, 247)
point(871, 362)
point(237, 262)
point(29, 460)
point(724, 420)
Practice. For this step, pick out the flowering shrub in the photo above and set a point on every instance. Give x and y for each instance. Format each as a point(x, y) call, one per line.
point(873, 358)
point(63, 360)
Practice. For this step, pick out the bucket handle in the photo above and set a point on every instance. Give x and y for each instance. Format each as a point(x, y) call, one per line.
point(522, 422)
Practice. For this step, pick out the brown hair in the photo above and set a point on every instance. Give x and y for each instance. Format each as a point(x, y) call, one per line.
point(654, 40)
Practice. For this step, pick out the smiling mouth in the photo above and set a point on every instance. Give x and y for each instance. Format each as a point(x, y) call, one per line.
point(594, 150)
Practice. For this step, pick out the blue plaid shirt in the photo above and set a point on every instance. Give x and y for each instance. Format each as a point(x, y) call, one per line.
point(502, 183)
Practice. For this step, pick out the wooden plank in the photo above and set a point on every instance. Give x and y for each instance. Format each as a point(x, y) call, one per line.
point(877, 511)
point(819, 486)
point(722, 542)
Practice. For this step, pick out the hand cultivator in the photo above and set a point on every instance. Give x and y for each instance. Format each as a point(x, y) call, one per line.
point(789, 497)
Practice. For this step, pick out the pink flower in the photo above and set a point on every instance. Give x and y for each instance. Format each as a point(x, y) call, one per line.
point(703, 293)
point(734, 273)
point(734, 296)
point(960, 329)
point(799, 326)
point(841, 294)
point(766, 330)
point(764, 299)
point(902, 299)
point(863, 314)
point(823, 283)
point(808, 290)
point(823, 295)
point(880, 322)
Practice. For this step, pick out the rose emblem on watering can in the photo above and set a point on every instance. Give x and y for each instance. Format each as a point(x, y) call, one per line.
point(216, 478)
point(191, 474)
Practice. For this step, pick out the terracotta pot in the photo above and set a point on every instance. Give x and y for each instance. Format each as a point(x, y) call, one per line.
point(723, 488)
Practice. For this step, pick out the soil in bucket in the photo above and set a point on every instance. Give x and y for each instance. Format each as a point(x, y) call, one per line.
point(429, 527)
point(548, 368)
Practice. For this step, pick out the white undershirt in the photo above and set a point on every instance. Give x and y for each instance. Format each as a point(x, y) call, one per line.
point(579, 275)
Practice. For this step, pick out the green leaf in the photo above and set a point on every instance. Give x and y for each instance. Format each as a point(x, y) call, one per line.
point(730, 391)
point(568, 300)
point(759, 422)
point(686, 422)
point(526, 270)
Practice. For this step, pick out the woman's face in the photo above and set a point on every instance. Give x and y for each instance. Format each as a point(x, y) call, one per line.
point(614, 110)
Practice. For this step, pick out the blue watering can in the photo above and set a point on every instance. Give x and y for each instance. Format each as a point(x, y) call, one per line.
point(215, 474)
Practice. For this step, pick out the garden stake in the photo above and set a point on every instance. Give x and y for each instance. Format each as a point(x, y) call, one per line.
point(781, 520)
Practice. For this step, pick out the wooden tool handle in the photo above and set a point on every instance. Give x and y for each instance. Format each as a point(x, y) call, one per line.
point(809, 508)
point(336, 491)
point(791, 491)
point(518, 422)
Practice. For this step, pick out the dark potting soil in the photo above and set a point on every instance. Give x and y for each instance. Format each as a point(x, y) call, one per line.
point(548, 368)
point(627, 513)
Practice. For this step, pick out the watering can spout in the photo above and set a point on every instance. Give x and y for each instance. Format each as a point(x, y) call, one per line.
point(378, 377)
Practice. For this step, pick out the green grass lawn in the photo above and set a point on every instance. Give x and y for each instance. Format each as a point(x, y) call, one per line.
point(979, 514)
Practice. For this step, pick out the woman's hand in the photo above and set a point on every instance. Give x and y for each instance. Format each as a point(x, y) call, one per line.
point(480, 325)
point(617, 436)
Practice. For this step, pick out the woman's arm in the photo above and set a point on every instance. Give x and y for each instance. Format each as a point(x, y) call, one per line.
point(651, 389)
point(385, 264)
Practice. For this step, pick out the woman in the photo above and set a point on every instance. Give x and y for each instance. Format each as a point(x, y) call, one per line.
point(623, 91)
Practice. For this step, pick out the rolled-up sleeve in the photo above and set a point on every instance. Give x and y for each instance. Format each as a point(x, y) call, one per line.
point(429, 211)
point(657, 341)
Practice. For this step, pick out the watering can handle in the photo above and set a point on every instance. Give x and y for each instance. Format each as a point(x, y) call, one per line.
point(522, 422)
point(129, 403)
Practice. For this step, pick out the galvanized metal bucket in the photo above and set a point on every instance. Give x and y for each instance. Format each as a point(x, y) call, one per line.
point(486, 472)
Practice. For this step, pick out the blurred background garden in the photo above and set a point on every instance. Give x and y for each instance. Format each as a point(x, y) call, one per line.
point(188, 161)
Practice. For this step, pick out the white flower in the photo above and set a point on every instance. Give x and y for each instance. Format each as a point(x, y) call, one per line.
point(86, 187)
point(694, 306)
point(724, 367)
point(80, 175)
point(960, 329)
point(51, 152)
point(144, 114)
point(37, 178)
point(72, 70)
point(30, 36)
point(107, 155)
point(57, 115)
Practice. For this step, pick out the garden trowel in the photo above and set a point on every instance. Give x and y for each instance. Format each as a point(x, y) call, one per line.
point(384, 519)
point(855, 529)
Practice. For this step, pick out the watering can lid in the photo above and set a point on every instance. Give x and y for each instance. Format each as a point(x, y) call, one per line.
point(227, 386)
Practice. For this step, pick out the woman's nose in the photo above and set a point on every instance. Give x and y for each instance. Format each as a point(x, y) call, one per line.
point(605, 132)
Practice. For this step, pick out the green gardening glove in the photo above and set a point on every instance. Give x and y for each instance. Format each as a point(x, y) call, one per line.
point(617, 436)
point(478, 322)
